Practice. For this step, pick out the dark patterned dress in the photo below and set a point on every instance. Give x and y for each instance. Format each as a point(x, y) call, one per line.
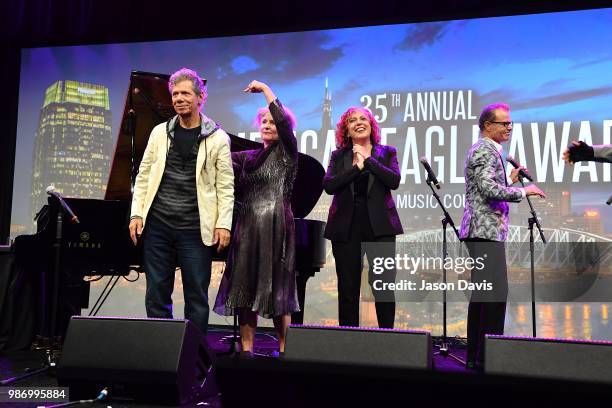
point(260, 271)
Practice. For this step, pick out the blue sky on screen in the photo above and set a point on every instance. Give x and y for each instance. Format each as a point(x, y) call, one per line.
point(548, 67)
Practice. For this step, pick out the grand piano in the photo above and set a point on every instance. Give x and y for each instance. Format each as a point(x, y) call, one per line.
point(99, 244)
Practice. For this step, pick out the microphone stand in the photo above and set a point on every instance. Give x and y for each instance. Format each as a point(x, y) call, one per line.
point(57, 267)
point(232, 339)
point(444, 348)
point(53, 343)
point(533, 220)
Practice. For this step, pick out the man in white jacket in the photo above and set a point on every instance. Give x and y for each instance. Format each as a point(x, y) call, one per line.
point(183, 200)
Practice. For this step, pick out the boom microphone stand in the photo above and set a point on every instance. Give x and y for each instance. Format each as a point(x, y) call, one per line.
point(444, 348)
point(53, 343)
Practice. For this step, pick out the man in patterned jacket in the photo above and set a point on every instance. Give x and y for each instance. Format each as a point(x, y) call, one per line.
point(484, 226)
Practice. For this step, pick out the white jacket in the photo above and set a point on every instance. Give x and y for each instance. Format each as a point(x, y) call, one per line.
point(214, 182)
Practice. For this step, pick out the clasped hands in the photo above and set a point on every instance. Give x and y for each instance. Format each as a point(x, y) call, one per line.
point(360, 154)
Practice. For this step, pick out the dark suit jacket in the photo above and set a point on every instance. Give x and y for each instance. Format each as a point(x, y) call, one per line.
point(384, 177)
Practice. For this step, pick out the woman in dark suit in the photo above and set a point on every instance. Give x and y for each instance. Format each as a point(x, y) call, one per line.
point(361, 175)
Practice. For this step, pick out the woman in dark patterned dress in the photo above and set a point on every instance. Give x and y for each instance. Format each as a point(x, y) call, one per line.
point(259, 278)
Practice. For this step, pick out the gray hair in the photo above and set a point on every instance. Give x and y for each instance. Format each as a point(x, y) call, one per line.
point(186, 74)
point(488, 113)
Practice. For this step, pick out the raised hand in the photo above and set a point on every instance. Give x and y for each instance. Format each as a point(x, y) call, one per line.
point(259, 87)
point(255, 87)
point(578, 151)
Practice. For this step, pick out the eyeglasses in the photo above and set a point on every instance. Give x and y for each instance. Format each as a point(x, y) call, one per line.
point(505, 124)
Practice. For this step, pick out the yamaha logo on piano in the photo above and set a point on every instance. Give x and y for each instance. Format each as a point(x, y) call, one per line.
point(84, 243)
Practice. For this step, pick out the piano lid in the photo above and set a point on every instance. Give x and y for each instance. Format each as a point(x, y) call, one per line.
point(150, 102)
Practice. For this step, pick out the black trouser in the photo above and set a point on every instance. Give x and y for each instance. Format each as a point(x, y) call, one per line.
point(349, 264)
point(487, 310)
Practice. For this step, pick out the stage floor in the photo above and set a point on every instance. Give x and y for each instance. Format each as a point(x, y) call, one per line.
point(16, 363)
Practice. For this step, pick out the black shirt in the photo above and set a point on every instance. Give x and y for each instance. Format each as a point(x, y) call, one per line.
point(176, 201)
point(184, 140)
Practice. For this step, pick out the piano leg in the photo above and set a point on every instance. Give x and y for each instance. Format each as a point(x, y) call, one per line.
point(300, 280)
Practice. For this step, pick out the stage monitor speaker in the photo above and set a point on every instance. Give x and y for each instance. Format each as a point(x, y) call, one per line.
point(360, 346)
point(154, 360)
point(574, 360)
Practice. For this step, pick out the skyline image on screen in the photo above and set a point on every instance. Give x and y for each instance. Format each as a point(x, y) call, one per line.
point(426, 84)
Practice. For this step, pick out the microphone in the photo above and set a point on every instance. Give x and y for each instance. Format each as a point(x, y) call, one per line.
point(73, 218)
point(523, 172)
point(431, 176)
